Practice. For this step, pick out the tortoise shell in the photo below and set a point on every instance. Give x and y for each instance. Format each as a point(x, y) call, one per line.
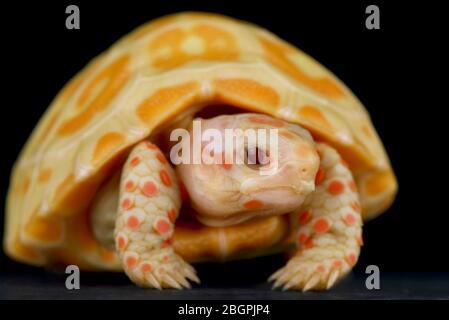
point(156, 73)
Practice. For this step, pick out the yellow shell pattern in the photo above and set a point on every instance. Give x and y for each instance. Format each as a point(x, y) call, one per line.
point(143, 81)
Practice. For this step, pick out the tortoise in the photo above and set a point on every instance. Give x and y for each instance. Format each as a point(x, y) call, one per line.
point(94, 187)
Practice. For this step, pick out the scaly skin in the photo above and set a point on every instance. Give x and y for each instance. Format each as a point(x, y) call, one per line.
point(311, 179)
point(330, 229)
point(149, 203)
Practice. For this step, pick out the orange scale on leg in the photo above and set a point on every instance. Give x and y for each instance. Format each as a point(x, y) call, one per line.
point(161, 158)
point(127, 203)
point(303, 238)
point(121, 242)
point(320, 176)
point(349, 219)
point(149, 189)
point(172, 215)
point(134, 161)
point(165, 178)
point(132, 222)
point(146, 267)
point(337, 264)
point(336, 187)
point(309, 244)
point(167, 243)
point(150, 146)
point(352, 186)
point(359, 240)
point(351, 259)
point(131, 261)
point(130, 185)
point(304, 217)
point(162, 226)
point(356, 206)
point(321, 226)
point(321, 268)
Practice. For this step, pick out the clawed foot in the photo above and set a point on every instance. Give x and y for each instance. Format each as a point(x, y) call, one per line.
point(171, 272)
point(312, 273)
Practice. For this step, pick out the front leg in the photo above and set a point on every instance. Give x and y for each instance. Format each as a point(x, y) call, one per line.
point(330, 229)
point(149, 203)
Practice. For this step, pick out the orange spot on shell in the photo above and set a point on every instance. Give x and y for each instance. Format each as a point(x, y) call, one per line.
point(321, 226)
point(304, 217)
point(253, 204)
point(320, 176)
point(44, 175)
point(162, 226)
point(336, 187)
point(149, 189)
point(240, 91)
point(278, 54)
point(164, 99)
point(218, 44)
point(44, 229)
point(165, 178)
point(107, 144)
point(132, 222)
point(315, 116)
point(97, 95)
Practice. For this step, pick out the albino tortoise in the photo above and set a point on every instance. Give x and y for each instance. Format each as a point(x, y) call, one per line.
point(92, 186)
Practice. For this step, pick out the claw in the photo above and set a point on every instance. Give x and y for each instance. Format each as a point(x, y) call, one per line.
point(313, 281)
point(191, 275)
point(152, 280)
point(332, 278)
point(170, 281)
point(178, 277)
point(275, 275)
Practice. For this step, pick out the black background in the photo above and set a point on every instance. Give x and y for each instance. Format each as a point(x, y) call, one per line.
point(397, 72)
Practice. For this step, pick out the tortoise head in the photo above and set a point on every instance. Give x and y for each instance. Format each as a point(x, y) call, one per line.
point(244, 166)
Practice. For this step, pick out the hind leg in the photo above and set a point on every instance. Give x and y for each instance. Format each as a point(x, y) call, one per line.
point(329, 232)
point(149, 202)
